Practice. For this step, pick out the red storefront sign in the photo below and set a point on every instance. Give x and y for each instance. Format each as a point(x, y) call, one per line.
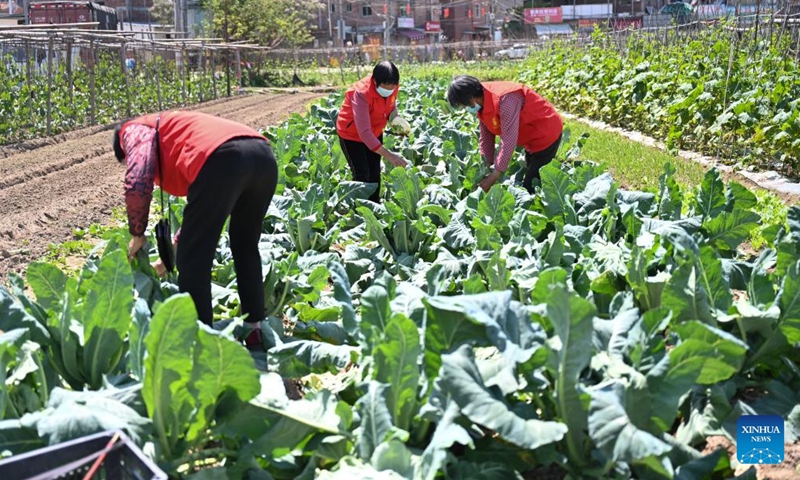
point(433, 27)
point(544, 15)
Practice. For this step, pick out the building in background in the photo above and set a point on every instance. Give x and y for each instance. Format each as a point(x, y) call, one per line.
point(189, 16)
point(411, 22)
point(11, 13)
point(481, 20)
point(437, 21)
point(130, 10)
point(11, 8)
point(549, 18)
point(136, 11)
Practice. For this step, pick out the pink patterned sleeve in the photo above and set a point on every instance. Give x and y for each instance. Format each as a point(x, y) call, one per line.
point(140, 153)
point(361, 116)
point(487, 144)
point(510, 108)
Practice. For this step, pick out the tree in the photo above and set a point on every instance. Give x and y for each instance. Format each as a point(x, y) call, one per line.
point(270, 23)
point(163, 12)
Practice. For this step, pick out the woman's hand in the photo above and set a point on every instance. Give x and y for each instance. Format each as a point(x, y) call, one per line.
point(396, 160)
point(135, 245)
point(159, 267)
point(391, 157)
point(489, 180)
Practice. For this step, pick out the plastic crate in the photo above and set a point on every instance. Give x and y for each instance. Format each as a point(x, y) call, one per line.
point(73, 460)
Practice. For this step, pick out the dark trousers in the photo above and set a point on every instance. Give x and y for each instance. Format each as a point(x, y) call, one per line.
point(537, 160)
point(364, 163)
point(237, 180)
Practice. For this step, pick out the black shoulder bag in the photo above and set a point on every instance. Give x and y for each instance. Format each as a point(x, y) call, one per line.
point(163, 230)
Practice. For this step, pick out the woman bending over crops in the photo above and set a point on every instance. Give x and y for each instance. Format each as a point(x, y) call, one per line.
point(368, 106)
point(518, 115)
point(224, 169)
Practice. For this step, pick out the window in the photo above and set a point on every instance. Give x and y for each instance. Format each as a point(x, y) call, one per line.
point(332, 8)
point(348, 7)
point(366, 11)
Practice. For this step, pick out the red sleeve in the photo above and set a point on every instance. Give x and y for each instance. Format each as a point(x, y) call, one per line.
point(363, 125)
point(487, 144)
point(510, 108)
point(138, 142)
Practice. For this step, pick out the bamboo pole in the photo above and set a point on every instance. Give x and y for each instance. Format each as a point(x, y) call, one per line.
point(49, 84)
point(29, 77)
point(125, 78)
point(92, 87)
point(214, 73)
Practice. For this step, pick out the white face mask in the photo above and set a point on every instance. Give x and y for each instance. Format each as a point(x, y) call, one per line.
point(384, 92)
point(474, 109)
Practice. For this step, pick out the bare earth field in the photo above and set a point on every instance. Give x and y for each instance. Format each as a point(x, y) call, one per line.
point(50, 186)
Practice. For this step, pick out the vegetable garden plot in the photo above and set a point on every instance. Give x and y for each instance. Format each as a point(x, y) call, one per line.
point(445, 333)
point(721, 92)
point(35, 104)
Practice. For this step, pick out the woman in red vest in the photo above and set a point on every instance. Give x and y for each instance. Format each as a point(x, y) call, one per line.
point(224, 169)
point(518, 115)
point(368, 106)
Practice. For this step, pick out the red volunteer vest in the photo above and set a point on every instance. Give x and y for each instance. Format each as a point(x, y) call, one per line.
point(539, 123)
point(187, 139)
point(379, 110)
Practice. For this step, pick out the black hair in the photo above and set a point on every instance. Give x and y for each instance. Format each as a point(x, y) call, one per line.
point(118, 151)
point(463, 89)
point(386, 72)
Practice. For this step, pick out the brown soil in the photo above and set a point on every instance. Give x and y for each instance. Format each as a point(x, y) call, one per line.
point(50, 186)
point(787, 470)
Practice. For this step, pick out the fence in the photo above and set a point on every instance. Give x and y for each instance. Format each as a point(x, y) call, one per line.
point(342, 65)
point(60, 79)
point(754, 19)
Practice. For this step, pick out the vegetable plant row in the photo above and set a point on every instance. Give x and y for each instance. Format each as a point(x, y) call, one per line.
point(444, 333)
point(23, 103)
point(717, 93)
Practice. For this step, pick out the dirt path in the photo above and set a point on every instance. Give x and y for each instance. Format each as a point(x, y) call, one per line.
point(48, 187)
